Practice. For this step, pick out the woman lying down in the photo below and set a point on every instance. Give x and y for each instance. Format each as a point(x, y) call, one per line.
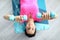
point(30, 30)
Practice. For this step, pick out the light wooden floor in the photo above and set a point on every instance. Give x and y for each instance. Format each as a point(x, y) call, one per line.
point(7, 29)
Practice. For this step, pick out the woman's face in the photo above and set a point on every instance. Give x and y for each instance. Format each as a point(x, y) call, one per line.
point(30, 27)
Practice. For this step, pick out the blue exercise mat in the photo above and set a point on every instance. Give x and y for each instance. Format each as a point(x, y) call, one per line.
point(20, 27)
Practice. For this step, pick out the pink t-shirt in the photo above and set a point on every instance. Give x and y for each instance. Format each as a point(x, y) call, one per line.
point(29, 6)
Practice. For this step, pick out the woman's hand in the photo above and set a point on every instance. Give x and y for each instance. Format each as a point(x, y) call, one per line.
point(6, 17)
point(19, 18)
point(46, 16)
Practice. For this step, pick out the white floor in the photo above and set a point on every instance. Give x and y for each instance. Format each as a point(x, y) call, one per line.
point(7, 29)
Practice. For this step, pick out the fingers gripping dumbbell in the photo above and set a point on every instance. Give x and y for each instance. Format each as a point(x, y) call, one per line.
point(52, 15)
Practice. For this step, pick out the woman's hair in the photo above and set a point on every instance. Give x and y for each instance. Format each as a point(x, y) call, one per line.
point(30, 35)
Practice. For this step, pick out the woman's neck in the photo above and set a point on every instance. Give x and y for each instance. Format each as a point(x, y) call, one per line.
point(30, 20)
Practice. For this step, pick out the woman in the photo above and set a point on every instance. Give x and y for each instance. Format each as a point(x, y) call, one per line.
point(29, 8)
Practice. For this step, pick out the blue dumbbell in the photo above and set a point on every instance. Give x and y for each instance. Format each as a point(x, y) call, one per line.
point(52, 15)
point(11, 17)
point(25, 17)
point(39, 15)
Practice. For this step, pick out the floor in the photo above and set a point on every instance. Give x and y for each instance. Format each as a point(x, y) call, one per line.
point(7, 29)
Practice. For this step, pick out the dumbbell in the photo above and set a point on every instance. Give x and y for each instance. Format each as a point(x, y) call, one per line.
point(52, 15)
point(12, 17)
